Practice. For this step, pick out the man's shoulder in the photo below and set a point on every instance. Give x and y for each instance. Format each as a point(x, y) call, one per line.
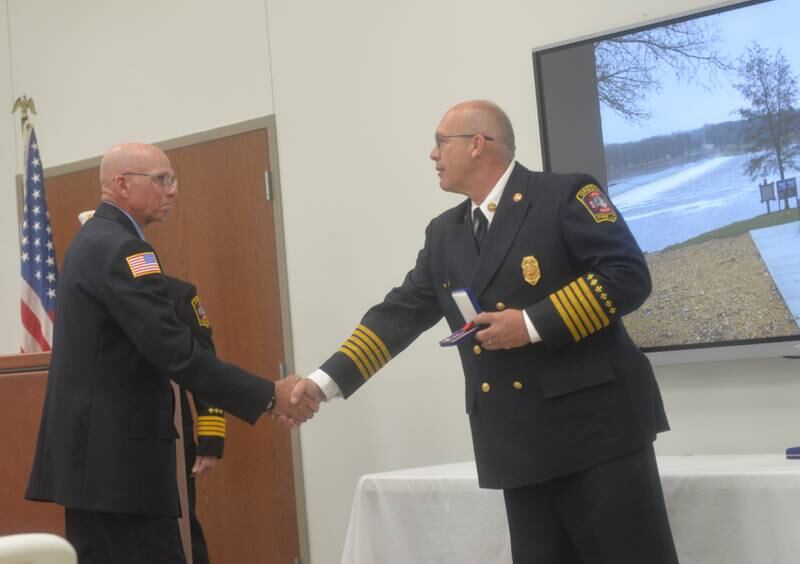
point(560, 185)
point(100, 245)
point(456, 214)
point(100, 235)
point(563, 178)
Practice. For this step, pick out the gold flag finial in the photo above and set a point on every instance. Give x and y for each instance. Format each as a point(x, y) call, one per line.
point(24, 103)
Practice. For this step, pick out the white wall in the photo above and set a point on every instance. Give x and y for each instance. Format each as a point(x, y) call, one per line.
point(359, 88)
point(10, 328)
point(106, 72)
point(103, 72)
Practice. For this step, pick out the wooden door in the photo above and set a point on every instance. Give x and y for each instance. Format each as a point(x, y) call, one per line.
point(221, 237)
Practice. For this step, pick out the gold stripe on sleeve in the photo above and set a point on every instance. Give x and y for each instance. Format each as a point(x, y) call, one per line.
point(210, 424)
point(377, 341)
point(210, 427)
point(565, 318)
point(572, 314)
point(215, 418)
point(587, 308)
point(361, 356)
point(352, 356)
point(361, 345)
point(576, 305)
point(373, 347)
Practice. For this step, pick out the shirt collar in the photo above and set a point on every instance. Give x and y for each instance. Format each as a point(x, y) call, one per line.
point(492, 200)
point(135, 225)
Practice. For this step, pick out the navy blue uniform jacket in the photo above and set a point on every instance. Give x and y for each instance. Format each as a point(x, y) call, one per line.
point(106, 439)
point(558, 249)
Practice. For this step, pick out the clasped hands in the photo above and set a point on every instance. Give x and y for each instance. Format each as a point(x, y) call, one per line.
point(296, 401)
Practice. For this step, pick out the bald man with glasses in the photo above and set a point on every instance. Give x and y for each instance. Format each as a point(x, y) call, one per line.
point(106, 446)
point(562, 405)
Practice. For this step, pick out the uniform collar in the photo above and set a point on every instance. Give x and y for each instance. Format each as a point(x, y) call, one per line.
point(130, 217)
point(491, 201)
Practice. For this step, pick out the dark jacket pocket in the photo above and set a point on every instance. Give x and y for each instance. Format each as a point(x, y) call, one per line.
point(567, 376)
point(151, 423)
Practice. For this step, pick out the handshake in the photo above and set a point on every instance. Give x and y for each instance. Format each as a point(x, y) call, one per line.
point(296, 401)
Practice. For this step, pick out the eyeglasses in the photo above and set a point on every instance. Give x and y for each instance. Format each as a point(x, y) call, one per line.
point(442, 139)
point(165, 179)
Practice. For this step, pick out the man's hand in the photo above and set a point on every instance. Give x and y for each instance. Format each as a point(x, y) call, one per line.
point(203, 465)
point(292, 413)
point(506, 330)
point(305, 390)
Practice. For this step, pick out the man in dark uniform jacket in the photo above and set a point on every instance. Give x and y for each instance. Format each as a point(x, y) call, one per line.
point(562, 405)
point(106, 446)
point(201, 457)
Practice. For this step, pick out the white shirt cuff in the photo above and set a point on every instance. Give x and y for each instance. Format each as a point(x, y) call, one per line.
point(327, 384)
point(532, 332)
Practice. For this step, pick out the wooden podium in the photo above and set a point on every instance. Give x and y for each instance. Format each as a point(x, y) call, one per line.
point(23, 378)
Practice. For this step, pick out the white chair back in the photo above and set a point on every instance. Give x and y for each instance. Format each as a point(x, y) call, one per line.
point(36, 548)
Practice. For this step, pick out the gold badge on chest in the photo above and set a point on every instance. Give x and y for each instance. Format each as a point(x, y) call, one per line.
point(530, 270)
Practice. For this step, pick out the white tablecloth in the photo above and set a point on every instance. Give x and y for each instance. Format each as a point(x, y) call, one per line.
point(741, 509)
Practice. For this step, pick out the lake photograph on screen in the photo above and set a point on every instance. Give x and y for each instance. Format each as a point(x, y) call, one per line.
point(701, 137)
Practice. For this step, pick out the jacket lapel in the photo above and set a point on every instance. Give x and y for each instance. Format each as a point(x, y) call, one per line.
point(508, 219)
point(464, 256)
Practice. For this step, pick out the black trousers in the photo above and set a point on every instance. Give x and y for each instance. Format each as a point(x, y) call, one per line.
point(612, 513)
point(118, 538)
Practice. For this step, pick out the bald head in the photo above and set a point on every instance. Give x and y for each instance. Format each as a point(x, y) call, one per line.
point(474, 147)
point(483, 116)
point(139, 179)
point(127, 157)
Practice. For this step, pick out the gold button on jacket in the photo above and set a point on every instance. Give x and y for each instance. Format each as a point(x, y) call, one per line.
point(485, 387)
point(476, 349)
point(517, 385)
point(500, 306)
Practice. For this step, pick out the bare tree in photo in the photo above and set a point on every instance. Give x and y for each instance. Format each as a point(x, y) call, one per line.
point(628, 67)
point(771, 120)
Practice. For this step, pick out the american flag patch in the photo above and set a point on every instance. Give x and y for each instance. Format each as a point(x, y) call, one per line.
point(142, 264)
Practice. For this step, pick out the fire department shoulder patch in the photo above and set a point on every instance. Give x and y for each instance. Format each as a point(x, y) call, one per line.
point(596, 203)
point(202, 319)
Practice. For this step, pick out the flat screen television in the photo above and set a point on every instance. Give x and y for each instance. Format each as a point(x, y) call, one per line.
point(693, 126)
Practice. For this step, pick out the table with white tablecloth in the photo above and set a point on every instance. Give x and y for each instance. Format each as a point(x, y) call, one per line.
point(724, 509)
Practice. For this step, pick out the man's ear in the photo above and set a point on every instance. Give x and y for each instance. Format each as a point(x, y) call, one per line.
point(120, 184)
point(477, 147)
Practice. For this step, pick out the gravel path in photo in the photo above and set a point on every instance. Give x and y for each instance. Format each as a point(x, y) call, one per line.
point(715, 291)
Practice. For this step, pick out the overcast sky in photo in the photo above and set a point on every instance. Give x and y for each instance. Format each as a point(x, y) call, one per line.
point(681, 107)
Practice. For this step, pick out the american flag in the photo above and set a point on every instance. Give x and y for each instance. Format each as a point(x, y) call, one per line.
point(38, 256)
point(143, 263)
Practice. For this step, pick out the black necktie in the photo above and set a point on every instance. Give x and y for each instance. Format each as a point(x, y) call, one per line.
point(480, 224)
